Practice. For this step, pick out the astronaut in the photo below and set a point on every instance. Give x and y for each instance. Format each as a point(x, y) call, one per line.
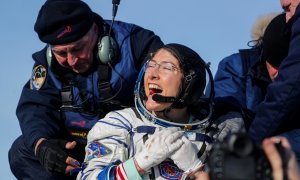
point(166, 135)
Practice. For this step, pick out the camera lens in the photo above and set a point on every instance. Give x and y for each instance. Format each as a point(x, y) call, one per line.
point(241, 145)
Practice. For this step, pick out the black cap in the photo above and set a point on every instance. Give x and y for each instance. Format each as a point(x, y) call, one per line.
point(63, 21)
point(276, 40)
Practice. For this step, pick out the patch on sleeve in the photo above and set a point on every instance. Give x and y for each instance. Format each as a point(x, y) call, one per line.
point(38, 77)
point(169, 170)
point(97, 150)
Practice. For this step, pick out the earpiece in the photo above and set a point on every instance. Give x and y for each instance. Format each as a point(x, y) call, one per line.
point(107, 49)
point(49, 55)
point(107, 45)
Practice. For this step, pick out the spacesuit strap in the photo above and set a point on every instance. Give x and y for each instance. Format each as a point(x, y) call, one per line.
point(137, 114)
point(142, 129)
point(202, 150)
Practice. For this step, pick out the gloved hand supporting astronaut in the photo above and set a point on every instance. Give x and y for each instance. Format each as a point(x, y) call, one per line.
point(227, 124)
point(168, 143)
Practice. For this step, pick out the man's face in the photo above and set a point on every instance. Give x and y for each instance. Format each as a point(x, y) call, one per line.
point(78, 55)
point(289, 7)
point(272, 71)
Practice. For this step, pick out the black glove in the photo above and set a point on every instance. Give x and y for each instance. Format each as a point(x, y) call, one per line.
point(51, 154)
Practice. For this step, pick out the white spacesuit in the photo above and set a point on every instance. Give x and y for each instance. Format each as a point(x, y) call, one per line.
point(122, 135)
point(115, 137)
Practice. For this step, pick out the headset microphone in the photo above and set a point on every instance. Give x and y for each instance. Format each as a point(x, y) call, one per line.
point(115, 7)
point(164, 99)
point(108, 48)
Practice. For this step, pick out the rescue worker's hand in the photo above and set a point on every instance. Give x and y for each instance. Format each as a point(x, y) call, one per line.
point(227, 124)
point(51, 154)
point(186, 157)
point(283, 166)
point(158, 148)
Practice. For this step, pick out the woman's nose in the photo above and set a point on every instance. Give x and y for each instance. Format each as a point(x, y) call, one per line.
point(154, 73)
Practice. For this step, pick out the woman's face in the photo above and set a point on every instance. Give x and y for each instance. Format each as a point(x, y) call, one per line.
point(162, 76)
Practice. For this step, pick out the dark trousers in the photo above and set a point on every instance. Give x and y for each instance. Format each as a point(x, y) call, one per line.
point(24, 164)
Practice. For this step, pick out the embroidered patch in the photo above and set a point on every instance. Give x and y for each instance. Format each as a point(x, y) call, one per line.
point(38, 77)
point(97, 150)
point(169, 170)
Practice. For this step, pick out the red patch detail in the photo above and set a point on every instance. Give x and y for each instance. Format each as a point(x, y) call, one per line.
point(80, 123)
point(67, 30)
point(170, 171)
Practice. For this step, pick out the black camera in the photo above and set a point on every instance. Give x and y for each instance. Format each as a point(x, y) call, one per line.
point(237, 157)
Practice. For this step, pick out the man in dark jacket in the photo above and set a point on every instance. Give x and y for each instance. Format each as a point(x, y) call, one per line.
point(88, 68)
point(242, 78)
point(279, 112)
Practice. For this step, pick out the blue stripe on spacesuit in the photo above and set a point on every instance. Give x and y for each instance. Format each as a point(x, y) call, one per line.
point(127, 127)
point(125, 120)
point(85, 175)
point(122, 127)
point(131, 133)
point(108, 172)
point(119, 141)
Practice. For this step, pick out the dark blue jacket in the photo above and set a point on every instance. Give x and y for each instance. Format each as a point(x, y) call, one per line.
point(280, 109)
point(240, 83)
point(39, 111)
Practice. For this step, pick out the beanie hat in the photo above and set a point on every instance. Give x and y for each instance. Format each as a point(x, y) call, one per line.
point(63, 21)
point(276, 40)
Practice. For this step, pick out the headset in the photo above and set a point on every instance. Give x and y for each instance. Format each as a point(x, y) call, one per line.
point(107, 47)
point(206, 103)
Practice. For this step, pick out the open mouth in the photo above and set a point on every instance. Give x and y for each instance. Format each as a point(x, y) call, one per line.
point(154, 89)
